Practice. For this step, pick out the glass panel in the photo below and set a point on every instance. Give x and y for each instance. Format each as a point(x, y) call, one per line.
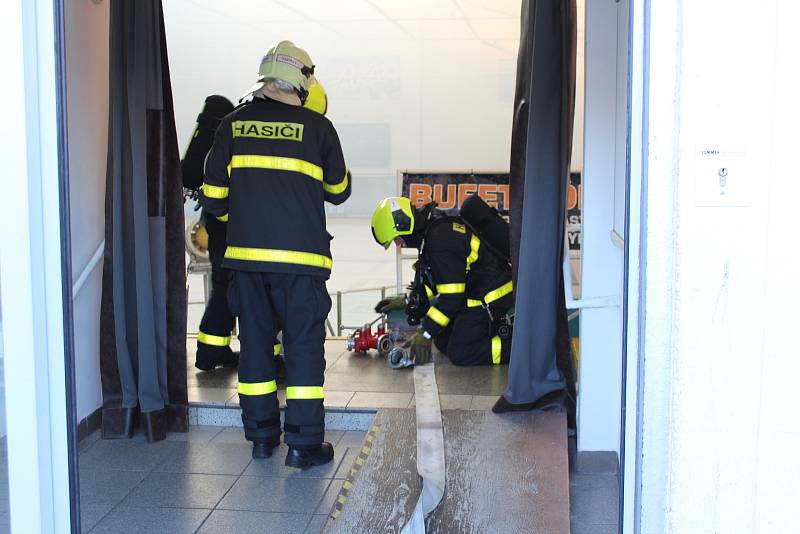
point(4, 506)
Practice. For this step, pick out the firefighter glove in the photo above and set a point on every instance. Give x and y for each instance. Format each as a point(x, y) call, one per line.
point(390, 304)
point(419, 348)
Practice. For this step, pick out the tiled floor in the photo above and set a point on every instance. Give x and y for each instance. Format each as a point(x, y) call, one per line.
point(363, 381)
point(594, 494)
point(206, 482)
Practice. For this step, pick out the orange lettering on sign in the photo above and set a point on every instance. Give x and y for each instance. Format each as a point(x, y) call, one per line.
point(465, 190)
point(505, 191)
point(572, 197)
point(448, 202)
point(488, 192)
point(420, 194)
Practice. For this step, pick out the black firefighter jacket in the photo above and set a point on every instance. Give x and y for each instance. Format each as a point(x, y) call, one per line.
point(463, 270)
point(270, 171)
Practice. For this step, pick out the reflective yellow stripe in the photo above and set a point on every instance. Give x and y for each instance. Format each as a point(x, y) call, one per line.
point(223, 218)
point(210, 339)
point(449, 289)
point(438, 317)
point(214, 191)
point(276, 350)
point(493, 295)
point(429, 292)
point(304, 392)
point(497, 349)
point(337, 188)
point(278, 256)
point(257, 388)
point(474, 245)
point(276, 163)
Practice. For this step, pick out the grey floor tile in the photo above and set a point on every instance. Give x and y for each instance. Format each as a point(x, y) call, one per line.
point(129, 455)
point(348, 457)
point(107, 486)
point(197, 434)
point(230, 435)
point(210, 395)
point(378, 380)
point(88, 441)
point(91, 514)
point(242, 522)
point(597, 463)
point(579, 527)
point(337, 399)
point(275, 494)
point(179, 490)
point(150, 520)
point(354, 363)
point(607, 483)
point(218, 378)
point(594, 499)
point(364, 399)
point(330, 496)
point(352, 438)
point(208, 458)
point(480, 380)
point(317, 524)
point(482, 402)
point(333, 436)
point(274, 466)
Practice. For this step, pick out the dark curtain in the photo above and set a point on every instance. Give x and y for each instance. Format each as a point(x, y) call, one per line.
point(541, 145)
point(143, 314)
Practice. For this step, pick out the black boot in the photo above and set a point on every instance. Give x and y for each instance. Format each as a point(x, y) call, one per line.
point(555, 401)
point(263, 449)
point(208, 358)
point(305, 458)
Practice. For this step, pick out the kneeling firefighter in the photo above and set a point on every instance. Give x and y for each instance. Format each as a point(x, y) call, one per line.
point(462, 290)
point(272, 167)
point(214, 336)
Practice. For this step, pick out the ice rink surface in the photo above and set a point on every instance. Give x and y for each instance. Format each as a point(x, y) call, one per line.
point(358, 264)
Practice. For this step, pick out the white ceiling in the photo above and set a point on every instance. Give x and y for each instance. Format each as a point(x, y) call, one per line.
point(494, 20)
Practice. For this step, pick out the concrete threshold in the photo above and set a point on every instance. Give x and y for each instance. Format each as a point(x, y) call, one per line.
point(231, 415)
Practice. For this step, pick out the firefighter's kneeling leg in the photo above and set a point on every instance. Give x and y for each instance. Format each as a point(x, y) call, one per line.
point(257, 388)
point(303, 304)
point(472, 341)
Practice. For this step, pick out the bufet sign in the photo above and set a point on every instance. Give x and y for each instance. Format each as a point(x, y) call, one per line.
point(450, 189)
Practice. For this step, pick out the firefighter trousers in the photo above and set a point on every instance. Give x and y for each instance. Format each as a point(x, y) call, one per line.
point(470, 340)
point(300, 305)
point(214, 337)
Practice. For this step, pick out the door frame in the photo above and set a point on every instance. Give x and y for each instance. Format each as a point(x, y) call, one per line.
point(35, 273)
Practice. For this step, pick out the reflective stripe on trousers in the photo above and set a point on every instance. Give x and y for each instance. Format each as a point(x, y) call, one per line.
point(210, 339)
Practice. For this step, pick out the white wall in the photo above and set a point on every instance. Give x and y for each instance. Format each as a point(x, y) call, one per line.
point(411, 83)
point(721, 364)
point(87, 108)
point(604, 147)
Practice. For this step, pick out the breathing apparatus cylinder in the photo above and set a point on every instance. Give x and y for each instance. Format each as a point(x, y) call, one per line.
point(193, 162)
point(488, 224)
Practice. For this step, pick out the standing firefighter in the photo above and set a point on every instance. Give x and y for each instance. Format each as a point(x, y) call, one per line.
point(216, 326)
point(214, 337)
point(272, 167)
point(462, 290)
